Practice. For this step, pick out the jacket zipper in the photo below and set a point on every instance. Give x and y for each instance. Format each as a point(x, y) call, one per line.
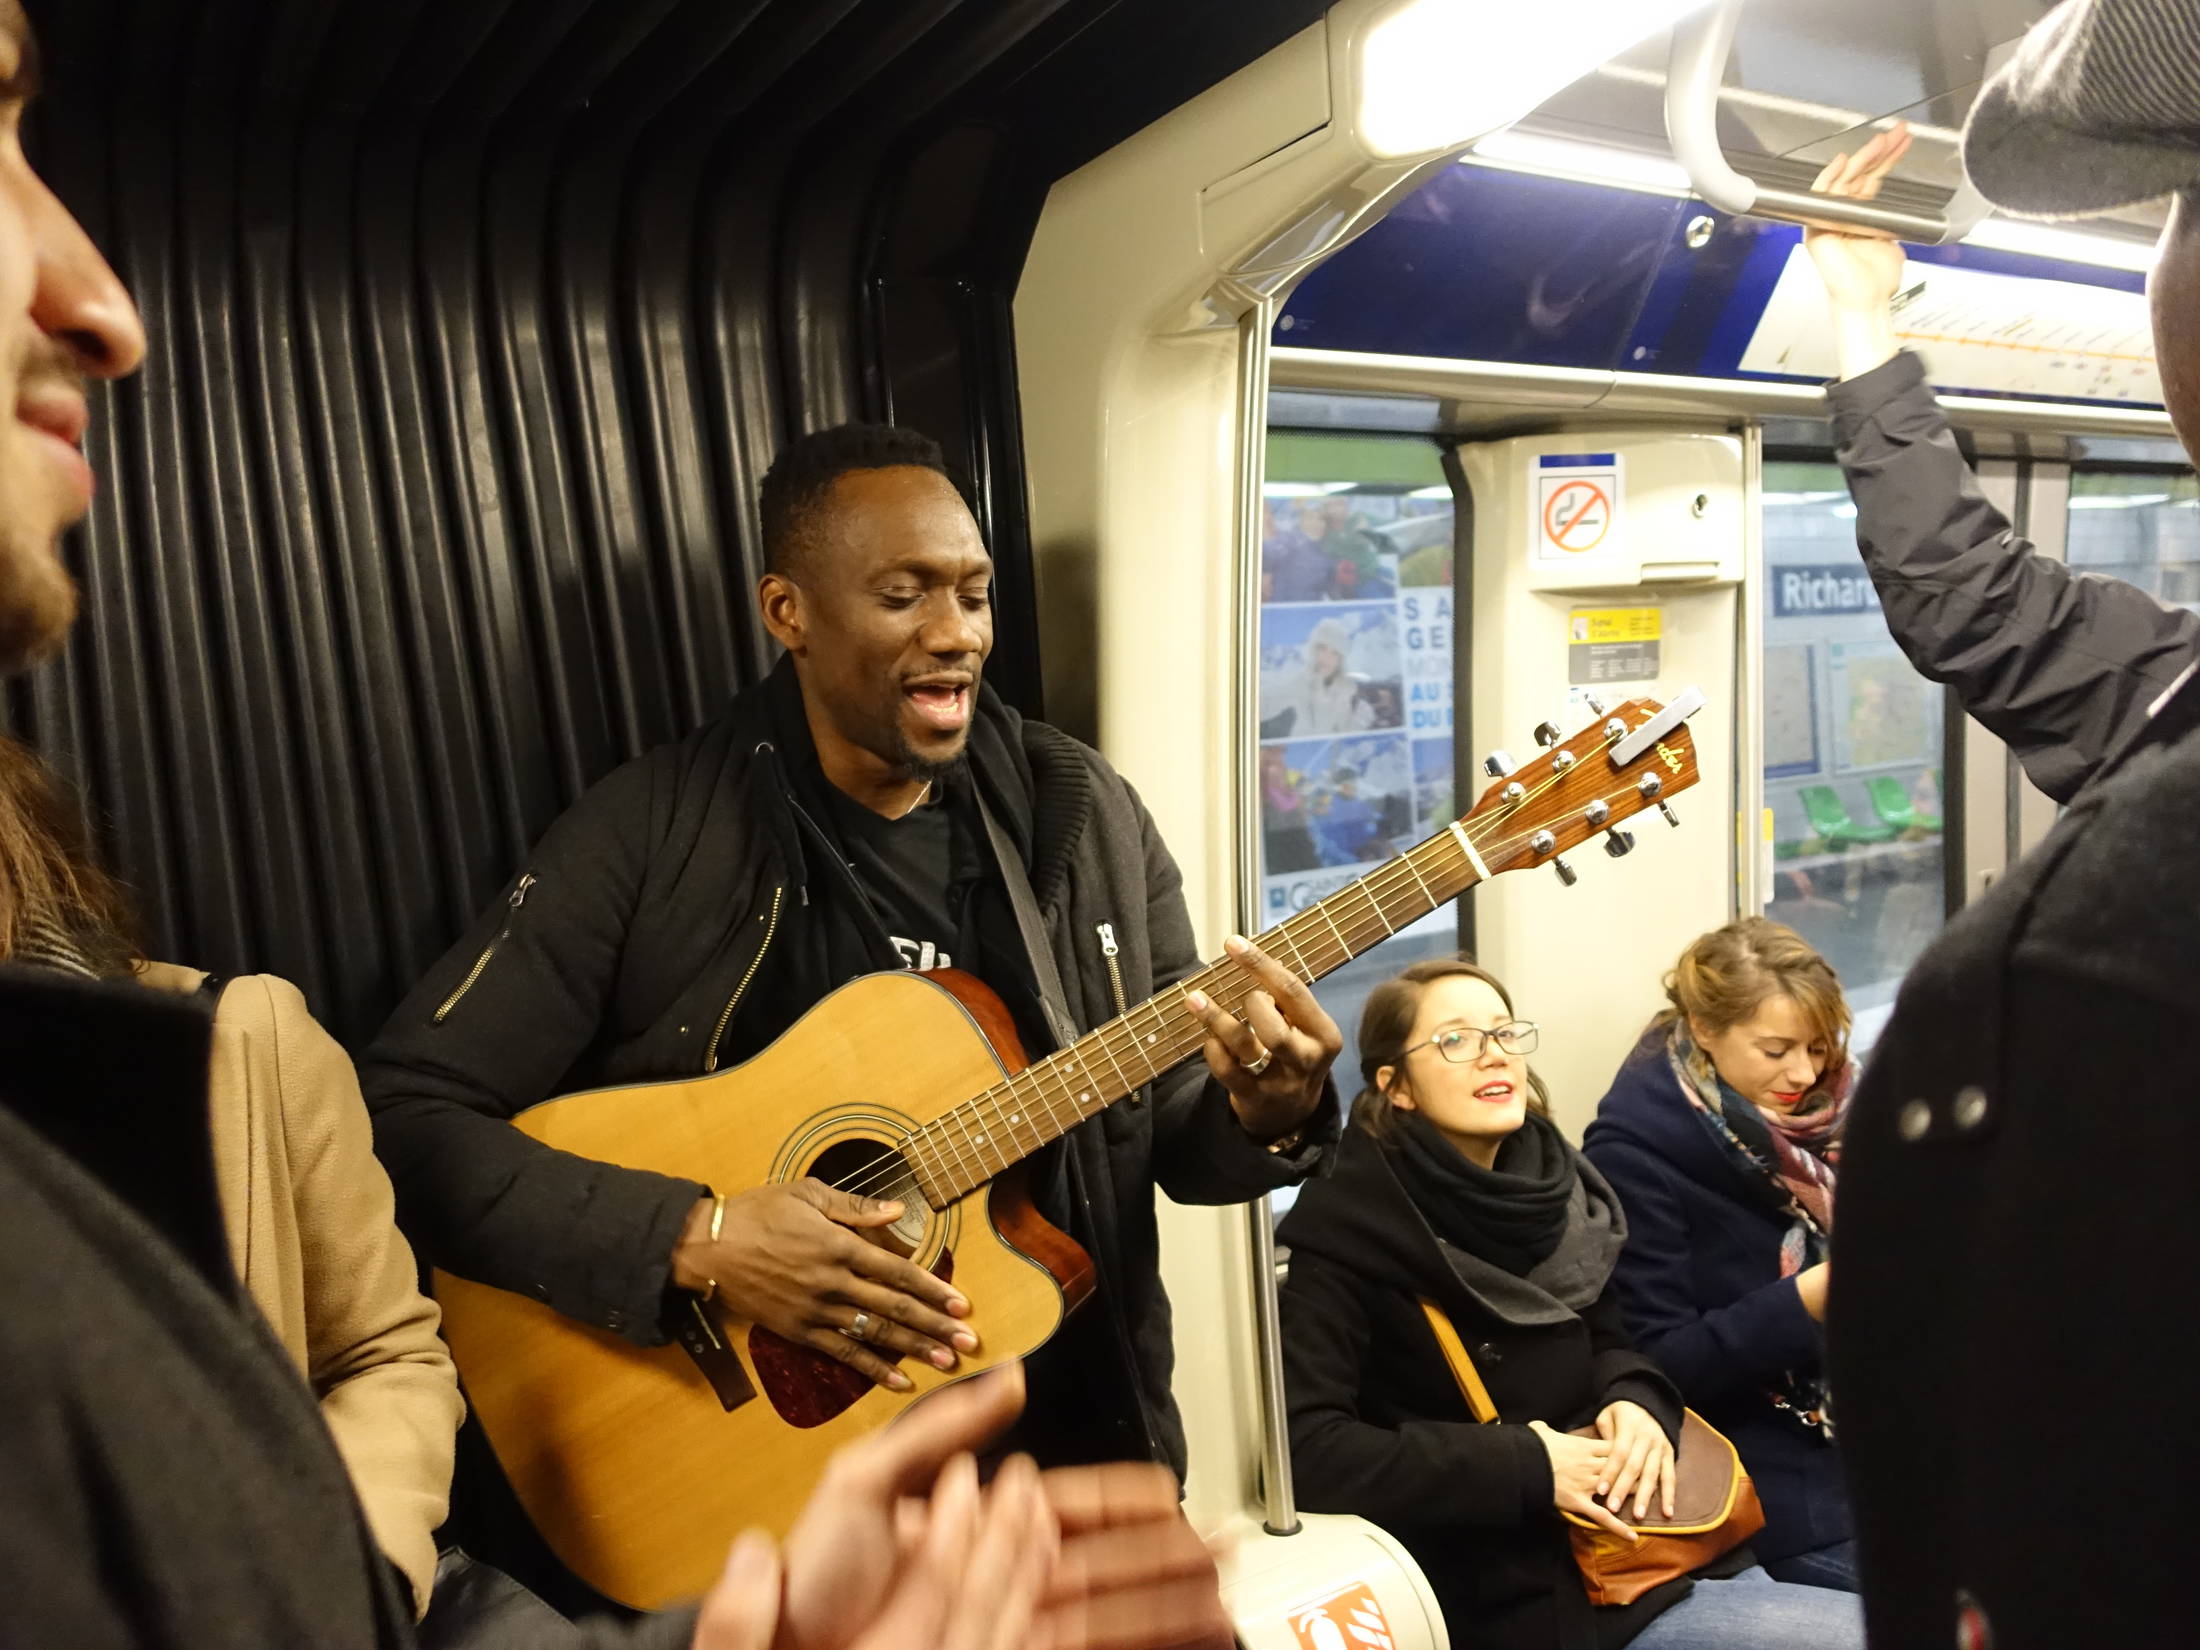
point(771, 927)
point(1106, 931)
point(518, 899)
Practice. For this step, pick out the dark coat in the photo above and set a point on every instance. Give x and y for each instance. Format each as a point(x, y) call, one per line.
point(1700, 1279)
point(668, 924)
point(2017, 1278)
point(169, 1483)
point(1378, 1426)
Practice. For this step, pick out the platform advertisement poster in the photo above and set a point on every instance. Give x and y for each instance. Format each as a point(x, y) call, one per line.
point(1355, 687)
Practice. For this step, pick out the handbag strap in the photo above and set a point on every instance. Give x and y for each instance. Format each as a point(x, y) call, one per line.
point(1462, 1367)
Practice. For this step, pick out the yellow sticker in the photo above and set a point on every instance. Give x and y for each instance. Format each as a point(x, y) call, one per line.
point(1768, 824)
point(1616, 624)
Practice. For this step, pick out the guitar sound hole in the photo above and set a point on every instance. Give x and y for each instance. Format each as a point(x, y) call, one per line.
point(870, 1168)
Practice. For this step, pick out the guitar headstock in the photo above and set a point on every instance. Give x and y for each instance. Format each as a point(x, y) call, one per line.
point(1634, 757)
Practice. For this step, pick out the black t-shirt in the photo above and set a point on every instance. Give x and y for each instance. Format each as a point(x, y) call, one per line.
point(917, 871)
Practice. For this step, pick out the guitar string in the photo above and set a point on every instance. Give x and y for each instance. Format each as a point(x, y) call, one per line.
point(892, 1165)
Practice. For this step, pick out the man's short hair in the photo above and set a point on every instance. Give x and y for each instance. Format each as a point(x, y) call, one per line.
point(801, 479)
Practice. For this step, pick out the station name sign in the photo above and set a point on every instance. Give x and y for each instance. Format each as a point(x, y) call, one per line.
point(1799, 592)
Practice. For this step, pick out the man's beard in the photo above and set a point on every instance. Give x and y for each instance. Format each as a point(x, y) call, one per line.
point(37, 603)
point(924, 768)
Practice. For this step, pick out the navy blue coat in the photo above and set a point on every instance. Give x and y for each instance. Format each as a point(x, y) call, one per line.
point(1700, 1282)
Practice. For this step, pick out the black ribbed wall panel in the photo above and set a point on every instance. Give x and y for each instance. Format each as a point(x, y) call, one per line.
point(474, 324)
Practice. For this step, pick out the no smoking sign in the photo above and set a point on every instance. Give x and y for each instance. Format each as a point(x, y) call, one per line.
point(1576, 506)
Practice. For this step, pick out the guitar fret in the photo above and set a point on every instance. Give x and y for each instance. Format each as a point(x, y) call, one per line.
point(1091, 1094)
point(1415, 872)
point(1368, 894)
point(1101, 1037)
point(1046, 1072)
point(1322, 910)
point(1283, 933)
point(1001, 1123)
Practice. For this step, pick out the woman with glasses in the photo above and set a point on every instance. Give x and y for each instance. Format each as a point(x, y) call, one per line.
point(1722, 1135)
point(1454, 1187)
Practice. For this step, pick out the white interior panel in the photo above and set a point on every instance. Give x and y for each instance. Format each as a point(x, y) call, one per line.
point(1585, 962)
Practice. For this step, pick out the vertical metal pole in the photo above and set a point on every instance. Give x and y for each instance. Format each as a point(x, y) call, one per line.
point(1279, 1511)
point(1750, 890)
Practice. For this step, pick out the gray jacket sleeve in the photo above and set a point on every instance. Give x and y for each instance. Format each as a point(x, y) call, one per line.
point(1200, 1154)
point(2059, 665)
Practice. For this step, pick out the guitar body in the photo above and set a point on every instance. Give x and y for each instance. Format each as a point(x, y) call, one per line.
point(639, 1465)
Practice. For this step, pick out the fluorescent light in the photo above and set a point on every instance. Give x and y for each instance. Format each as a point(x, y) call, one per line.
point(1591, 162)
point(1847, 512)
point(1430, 492)
point(2118, 501)
point(1434, 73)
point(1778, 499)
point(2049, 240)
point(1310, 489)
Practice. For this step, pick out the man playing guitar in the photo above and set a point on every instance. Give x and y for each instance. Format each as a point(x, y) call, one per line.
point(868, 806)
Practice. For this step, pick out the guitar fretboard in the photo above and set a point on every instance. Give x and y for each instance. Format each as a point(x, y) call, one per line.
point(962, 1149)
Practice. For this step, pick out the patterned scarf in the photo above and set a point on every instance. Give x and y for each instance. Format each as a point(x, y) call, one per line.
point(1793, 1160)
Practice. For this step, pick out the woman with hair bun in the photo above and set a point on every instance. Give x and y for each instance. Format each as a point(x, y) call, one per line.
point(1722, 1136)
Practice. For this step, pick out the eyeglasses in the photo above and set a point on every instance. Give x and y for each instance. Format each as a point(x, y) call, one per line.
point(1464, 1044)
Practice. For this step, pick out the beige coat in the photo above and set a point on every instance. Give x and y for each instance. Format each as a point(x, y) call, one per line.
point(312, 1229)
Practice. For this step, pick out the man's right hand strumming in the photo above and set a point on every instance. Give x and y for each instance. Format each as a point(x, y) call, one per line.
point(789, 1258)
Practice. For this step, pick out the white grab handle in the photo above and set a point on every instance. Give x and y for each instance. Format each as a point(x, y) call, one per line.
point(1701, 44)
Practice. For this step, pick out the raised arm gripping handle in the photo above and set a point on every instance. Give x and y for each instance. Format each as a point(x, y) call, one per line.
point(1701, 43)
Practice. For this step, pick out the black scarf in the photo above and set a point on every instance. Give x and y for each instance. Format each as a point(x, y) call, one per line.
point(1512, 1214)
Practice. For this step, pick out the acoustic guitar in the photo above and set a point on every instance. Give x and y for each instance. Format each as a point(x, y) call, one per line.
point(638, 1465)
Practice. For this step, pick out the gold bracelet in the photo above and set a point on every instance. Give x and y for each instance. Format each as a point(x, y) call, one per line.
point(717, 1220)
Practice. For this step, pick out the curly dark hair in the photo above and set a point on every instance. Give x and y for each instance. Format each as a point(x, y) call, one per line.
point(802, 477)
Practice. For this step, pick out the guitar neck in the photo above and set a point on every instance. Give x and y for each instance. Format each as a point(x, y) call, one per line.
point(962, 1149)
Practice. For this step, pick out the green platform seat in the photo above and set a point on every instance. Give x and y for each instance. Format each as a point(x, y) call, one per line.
point(1832, 822)
point(1892, 803)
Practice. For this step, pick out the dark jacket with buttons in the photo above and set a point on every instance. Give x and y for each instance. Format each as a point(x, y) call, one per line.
point(2017, 1281)
point(1700, 1279)
point(670, 924)
point(1378, 1426)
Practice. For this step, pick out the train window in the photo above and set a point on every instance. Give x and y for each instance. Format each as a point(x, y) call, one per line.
point(2141, 526)
point(1852, 751)
point(1357, 551)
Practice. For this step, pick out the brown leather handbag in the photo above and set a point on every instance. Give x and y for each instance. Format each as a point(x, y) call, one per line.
point(1715, 1507)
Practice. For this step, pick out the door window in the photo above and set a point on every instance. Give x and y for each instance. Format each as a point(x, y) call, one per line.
point(2141, 526)
point(1855, 795)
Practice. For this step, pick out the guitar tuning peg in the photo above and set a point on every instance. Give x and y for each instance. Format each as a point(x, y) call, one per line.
point(1566, 873)
point(1547, 734)
point(1618, 843)
point(1498, 764)
point(1596, 705)
point(1671, 818)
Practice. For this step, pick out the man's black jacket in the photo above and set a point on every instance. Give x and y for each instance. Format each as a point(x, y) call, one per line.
point(2057, 664)
point(680, 916)
point(2015, 1286)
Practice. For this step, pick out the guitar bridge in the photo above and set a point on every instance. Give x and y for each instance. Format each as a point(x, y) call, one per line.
point(720, 1364)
